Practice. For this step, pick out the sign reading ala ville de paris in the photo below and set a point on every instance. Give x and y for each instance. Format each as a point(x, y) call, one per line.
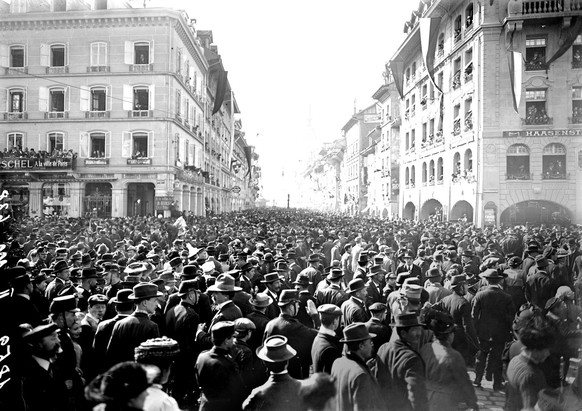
point(543, 133)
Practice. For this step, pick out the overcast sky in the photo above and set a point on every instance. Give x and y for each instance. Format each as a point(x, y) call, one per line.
point(298, 67)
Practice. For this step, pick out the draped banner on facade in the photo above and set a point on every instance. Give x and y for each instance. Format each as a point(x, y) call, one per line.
point(397, 68)
point(249, 156)
point(220, 90)
point(567, 38)
point(515, 60)
point(429, 28)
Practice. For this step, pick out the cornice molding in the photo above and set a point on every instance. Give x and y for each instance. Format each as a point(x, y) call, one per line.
point(62, 22)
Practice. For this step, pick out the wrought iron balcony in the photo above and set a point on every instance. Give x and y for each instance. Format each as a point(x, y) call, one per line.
point(141, 68)
point(57, 70)
point(537, 120)
point(20, 115)
point(51, 115)
point(97, 114)
point(140, 113)
point(98, 69)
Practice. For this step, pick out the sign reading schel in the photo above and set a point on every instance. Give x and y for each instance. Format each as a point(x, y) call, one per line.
point(33, 163)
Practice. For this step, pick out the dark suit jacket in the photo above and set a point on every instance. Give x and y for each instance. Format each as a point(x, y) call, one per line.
point(23, 310)
point(102, 336)
point(280, 392)
point(181, 325)
point(260, 320)
point(383, 332)
point(127, 334)
point(374, 293)
point(492, 312)
point(333, 294)
point(40, 390)
point(228, 312)
point(354, 311)
point(460, 310)
point(415, 270)
point(324, 351)
point(357, 389)
point(53, 288)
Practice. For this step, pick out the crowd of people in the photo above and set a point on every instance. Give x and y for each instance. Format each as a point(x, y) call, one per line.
point(284, 309)
point(31, 153)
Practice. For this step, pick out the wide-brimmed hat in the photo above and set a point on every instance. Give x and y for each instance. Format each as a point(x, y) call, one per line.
point(135, 268)
point(405, 320)
point(335, 273)
point(356, 285)
point(433, 273)
point(89, 272)
point(276, 349)
point(356, 332)
point(492, 274)
point(187, 286)
point(287, 297)
point(302, 279)
point(261, 300)
point(313, 258)
point(271, 277)
point(122, 296)
point(224, 283)
point(60, 266)
point(459, 279)
point(376, 269)
point(143, 291)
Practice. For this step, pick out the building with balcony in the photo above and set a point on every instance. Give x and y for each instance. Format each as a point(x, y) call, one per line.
point(133, 117)
point(486, 148)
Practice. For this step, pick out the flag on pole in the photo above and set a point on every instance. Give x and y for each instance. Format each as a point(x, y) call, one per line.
point(429, 28)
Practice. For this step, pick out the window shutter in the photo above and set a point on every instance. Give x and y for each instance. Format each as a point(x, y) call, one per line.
point(25, 102)
point(67, 99)
point(128, 58)
point(4, 55)
point(151, 97)
point(84, 96)
point(84, 142)
point(42, 138)
point(43, 99)
point(108, 98)
point(126, 145)
point(191, 159)
point(93, 53)
point(108, 144)
point(151, 52)
point(127, 97)
point(44, 55)
point(151, 144)
point(67, 50)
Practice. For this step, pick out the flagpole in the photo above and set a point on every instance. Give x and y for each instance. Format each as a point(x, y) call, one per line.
point(232, 133)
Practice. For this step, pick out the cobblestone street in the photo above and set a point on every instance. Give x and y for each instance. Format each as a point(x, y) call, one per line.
point(486, 397)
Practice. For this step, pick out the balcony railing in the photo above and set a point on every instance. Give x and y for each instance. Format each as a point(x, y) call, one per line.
point(140, 113)
point(576, 64)
point(554, 175)
point(16, 116)
point(518, 176)
point(537, 120)
point(57, 70)
point(457, 79)
point(540, 8)
point(97, 114)
point(141, 68)
point(576, 119)
point(51, 115)
point(533, 65)
point(15, 70)
point(98, 69)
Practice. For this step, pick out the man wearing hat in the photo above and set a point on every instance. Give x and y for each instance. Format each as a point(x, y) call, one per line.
point(376, 325)
point(540, 286)
point(353, 309)
point(346, 262)
point(123, 307)
point(532, 251)
point(302, 284)
point(217, 373)
point(281, 391)
point(465, 338)
point(326, 346)
point(492, 312)
point(221, 292)
point(88, 287)
point(112, 279)
point(260, 302)
point(312, 272)
point(361, 270)
point(333, 293)
point(434, 287)
point(515, 281)
point(357, 389)
point(409, 299)
point(42, 385)
point(38, 298)
point(251, 369)
point(273, 286)
point(408, 266)
point(374, 285)
point(400, 368)
point(181, 324)
point(300, 337)
point(62, 273)
point(22, 310)
point(131, 331)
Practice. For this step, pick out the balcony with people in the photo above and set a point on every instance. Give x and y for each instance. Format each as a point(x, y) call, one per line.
point(17, 158)
point(537, 116)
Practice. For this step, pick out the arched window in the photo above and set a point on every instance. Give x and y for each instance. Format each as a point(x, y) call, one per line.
point(412, 175)
point(15, 141)
point(424, 173)
point(469, 15)
point(441, 45)
point(431, 172)
point(407, 176)
point(457, 164)
point(440, 169)
point(413, 74)
point(457, 28)
point(468, 161)
point(554, 161)
point(518, 162)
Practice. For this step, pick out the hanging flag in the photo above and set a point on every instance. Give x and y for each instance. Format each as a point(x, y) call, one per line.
point(220, 90)
point(248, 155)
point(515, 72)
point(397, 68)
point(567, 38)
point(429, 28)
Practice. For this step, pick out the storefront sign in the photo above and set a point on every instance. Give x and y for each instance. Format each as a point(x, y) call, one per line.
point(489, 216)
point(139, 161)
point(235, 189)
point(163, 203)
point(543, 133)
point(96, 161)
point(8, 163)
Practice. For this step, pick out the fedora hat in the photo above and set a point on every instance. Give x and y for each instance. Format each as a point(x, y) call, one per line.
point(271, 277)
point(64, 303)
point(89, 272)
point(135, 268)
point(411, 291)
point(187, 286)
point(60, 266)
point(287, 297)
point(131, 280)
point(261, 300)
point(335, 273)
point(313, 258)
point(302, 279)
point(405, 320)
point(459, 279)
point(492, 273)
point(40, 331)
point(143, 291)
point(363, 258)
point(376, 269)
point(433, 273)
point(276, 349)
point(224, 284)
point(355, 285)
point(122, 296)
point(356, 332)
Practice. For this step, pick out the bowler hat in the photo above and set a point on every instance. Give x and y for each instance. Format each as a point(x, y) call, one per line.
point(271, 277)
point(122, 296)
point(187, 286)
point(40, 331)
point(492, 274)
point(376, 269)
point(335, 273)
point(356, 285)
point(302, 279)
point(287, 297)
point(261, 300)
point(356, 332)
point(405, 320)
point(276, 349)
point(224, 283)
point(89, 272)
point(60, 266)
point(314, 258)
point(63, 303)
point(143, 291)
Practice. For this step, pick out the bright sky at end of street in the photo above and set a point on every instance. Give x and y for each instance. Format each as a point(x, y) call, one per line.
point(298, 69)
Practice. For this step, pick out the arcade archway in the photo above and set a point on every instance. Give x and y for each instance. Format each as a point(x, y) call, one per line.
point(431, 209)
point(409, 212)
point(462, 209)
point(536, 212)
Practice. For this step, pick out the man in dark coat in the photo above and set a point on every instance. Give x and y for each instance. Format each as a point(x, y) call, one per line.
point(375, 325)
point(260, 302)
point(38, 298)
point(492, 312)
point(333, 294)
point(300, 337)
point(272, 283)
point(326, 346)
point(281, 391)
point(399, 367)
point(302, 285)
point(357, 389)
point(374, 285)
point(540, 286)
point(62, 273)
point(181, 325)
point(409, 266)
point(217, 372)
point(22, 308)
point(354, 310)
point(131, 331)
